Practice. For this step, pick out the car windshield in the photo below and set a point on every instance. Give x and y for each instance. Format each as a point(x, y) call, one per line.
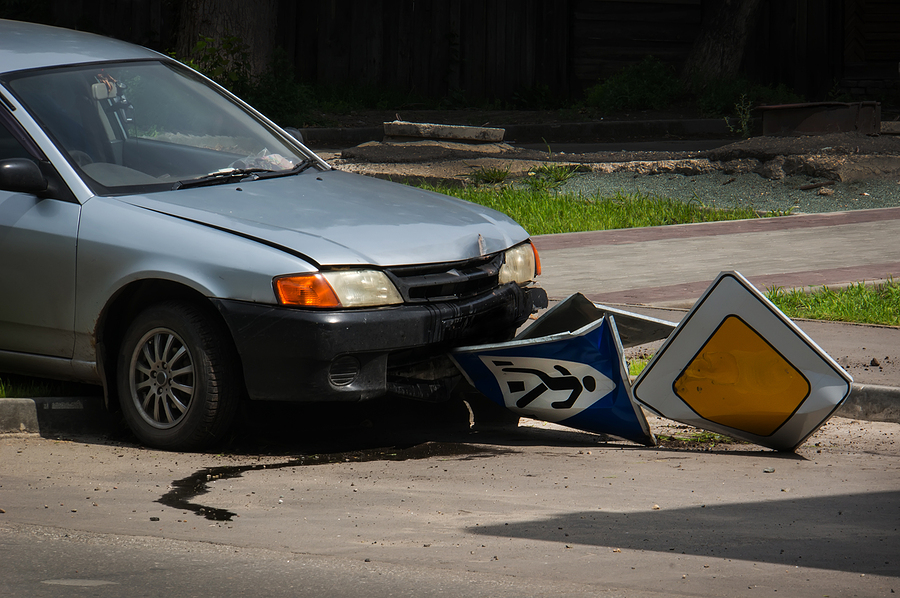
point(150, 126)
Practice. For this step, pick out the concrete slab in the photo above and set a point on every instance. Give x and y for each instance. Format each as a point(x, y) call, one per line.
point(403, 129)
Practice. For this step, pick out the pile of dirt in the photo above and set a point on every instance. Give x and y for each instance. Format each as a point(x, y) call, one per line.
point(830, 144)
point(838, 157)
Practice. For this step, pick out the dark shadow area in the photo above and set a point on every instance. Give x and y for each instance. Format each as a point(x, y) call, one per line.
point(301, 429)
point(290, 429)
point(304, 428)
point(857, 533)
point(277, 428)
point(83, 415)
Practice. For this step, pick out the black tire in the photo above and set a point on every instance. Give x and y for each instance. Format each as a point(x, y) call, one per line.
point(178, 377)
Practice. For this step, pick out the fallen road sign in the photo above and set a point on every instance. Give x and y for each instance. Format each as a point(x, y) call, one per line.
point(577, 311)
point(578, 379)
point(738, 366)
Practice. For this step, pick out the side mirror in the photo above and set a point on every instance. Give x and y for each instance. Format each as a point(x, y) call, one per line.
point(22, 175)
point(294, 132)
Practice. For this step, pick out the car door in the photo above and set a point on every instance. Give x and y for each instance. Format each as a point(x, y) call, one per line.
point(38, 240)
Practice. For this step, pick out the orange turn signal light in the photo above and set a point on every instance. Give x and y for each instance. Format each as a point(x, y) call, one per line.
point(537, 259)
point(305, 290)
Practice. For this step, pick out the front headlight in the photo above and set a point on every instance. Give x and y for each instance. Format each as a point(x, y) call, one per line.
point(338, 288)
point(521, 264)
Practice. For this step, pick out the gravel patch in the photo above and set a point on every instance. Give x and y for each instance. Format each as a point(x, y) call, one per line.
point(724, 190)
point(808, 174)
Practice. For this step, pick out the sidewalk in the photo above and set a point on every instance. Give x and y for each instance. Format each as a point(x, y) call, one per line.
point(662, 271)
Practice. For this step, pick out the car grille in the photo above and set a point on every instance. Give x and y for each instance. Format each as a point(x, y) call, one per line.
point(445, 282)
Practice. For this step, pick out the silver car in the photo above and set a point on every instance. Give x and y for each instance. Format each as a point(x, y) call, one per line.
point(161, 238)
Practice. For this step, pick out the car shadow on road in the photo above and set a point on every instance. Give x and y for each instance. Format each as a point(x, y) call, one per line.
point(845, 532)
point(298, 429)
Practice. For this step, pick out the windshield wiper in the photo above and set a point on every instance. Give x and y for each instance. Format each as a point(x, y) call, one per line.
point(239, 174)
point(217, 178)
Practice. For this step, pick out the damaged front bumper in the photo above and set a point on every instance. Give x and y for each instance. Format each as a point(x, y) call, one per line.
point(291, 354)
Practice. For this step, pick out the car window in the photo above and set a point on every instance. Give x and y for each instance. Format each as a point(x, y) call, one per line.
point(10, 146)
point(146, 126)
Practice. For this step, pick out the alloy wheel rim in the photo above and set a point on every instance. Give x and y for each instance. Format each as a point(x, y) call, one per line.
point(162, 378)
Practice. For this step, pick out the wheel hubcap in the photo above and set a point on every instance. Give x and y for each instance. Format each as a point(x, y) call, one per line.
point(162, 378)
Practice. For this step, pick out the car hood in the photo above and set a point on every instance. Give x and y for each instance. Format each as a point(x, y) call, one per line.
point(336, 218)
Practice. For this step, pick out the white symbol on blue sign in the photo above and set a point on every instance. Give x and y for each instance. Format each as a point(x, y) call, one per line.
point(548, 389)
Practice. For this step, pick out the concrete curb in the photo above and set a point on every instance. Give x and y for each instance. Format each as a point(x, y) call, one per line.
point(82, 415)
point(617, 130)
point(872, 402)
point(590, 132)
point(54, 414)
point(18, 415)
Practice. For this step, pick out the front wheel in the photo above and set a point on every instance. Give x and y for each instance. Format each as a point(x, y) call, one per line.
point(178, 377)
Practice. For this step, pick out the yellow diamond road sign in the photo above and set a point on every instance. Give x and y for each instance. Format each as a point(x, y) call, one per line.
point(737, 365)
point(739, 380)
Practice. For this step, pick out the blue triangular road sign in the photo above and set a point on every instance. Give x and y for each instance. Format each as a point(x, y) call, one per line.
point(576, 379)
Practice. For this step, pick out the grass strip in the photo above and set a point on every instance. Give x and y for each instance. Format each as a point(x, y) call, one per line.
point(636, 365)
point(17, 386)
point(859, 302)
point(542, 211)
point(699, 439)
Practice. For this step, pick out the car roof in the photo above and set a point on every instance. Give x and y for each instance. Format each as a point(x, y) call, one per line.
point(28, 45)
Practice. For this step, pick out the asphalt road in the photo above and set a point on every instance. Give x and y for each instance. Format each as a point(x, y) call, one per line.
point(359, 507)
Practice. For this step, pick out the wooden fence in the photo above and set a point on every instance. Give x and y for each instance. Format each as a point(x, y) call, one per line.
point(501, 48)
point(492, 48)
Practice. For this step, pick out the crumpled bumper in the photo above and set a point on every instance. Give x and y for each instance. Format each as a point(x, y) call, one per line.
point(291, 354)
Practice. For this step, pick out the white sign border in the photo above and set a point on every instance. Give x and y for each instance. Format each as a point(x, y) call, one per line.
point(732, 295)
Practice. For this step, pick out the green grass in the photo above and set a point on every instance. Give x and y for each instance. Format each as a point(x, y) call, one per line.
point(707, 439)
point(637, 365)
point(541, 211)
point(16, 386)
point(490, 176)
point(866, 304)
point(549, 176)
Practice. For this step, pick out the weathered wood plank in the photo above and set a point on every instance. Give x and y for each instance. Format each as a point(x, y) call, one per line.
point(474, 48)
